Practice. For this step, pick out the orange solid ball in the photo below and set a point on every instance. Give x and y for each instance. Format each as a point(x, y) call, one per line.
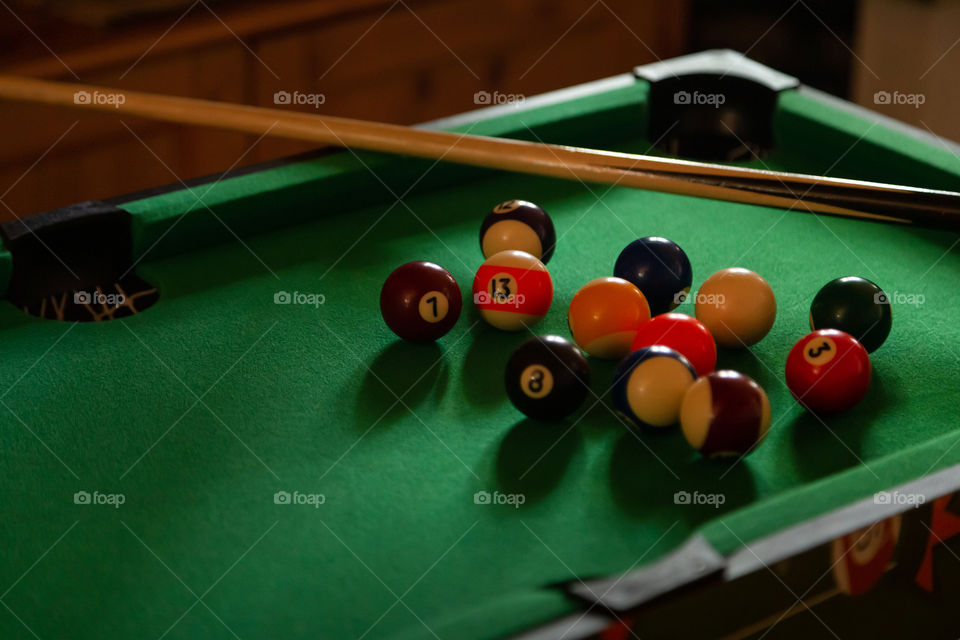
point(605, 315)
point(737, 306)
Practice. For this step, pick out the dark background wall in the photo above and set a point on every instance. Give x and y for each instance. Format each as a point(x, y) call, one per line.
point(405, 61)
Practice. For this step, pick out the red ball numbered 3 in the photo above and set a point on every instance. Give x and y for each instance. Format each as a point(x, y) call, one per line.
point(512, 290)
point(828, 371)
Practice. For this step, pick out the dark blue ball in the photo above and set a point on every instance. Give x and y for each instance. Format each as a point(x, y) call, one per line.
point(649, 385)
point(659, 268)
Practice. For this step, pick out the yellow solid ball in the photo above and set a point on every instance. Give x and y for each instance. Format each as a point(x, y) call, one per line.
point(737, 306)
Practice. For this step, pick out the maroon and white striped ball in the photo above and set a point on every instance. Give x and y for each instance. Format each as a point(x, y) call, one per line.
point(725, 413)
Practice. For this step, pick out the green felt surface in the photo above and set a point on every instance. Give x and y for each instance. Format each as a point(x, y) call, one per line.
point(199, 410)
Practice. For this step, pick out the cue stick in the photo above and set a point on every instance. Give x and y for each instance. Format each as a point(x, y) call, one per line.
point(817, 194)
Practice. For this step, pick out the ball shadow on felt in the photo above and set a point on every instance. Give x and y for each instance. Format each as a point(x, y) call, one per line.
point(403, 369)
point(747, 363)
point(826, 444)
point(533, 457)
point(485, 362)
point(650, 471)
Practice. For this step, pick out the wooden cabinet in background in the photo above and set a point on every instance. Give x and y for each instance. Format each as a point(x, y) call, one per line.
point(397, 62)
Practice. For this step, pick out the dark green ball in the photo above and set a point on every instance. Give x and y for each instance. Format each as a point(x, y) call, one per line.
point(855, 306)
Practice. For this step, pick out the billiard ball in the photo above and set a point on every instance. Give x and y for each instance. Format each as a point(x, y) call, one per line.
point(547, 378)
point(683, 334)
point(737, 306)
point(604, 316)
point(855, 306)
point(518, 225)
point(512, 290)
point(649, 385)
point(420, 301)
point(828, 371)
point(724, 414)
point(659, 268)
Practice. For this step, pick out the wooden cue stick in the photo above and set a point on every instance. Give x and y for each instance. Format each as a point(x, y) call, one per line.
point(835, 196)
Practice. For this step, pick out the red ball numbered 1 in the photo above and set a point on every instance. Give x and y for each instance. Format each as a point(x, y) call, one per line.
point(828, 371)
point(512, 290)
point(420, 301)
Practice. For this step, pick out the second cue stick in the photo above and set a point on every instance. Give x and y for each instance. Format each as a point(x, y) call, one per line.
point(835, 196)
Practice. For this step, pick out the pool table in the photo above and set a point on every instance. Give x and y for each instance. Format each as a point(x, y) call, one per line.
point(242, 449)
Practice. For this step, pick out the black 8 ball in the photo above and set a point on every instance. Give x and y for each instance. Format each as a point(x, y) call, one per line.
point(547, 378)
point(520, 226)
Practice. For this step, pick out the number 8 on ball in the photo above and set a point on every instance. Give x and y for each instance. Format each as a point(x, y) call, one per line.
point(547, 378)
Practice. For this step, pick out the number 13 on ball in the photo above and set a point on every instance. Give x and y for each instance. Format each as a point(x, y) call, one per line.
point(512, 290)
